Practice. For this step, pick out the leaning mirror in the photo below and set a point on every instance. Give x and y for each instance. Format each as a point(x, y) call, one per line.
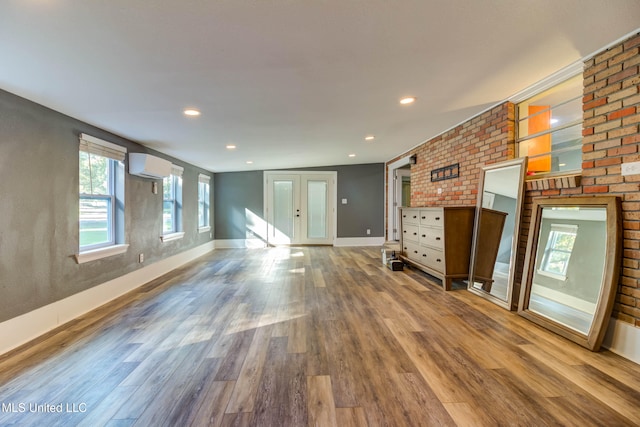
point(571, 266)
point(496, 229)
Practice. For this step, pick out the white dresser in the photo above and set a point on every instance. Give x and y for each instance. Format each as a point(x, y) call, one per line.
point(438, 240)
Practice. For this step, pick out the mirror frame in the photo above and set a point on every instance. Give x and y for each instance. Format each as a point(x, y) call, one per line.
point(606, 298)
point(507, 303)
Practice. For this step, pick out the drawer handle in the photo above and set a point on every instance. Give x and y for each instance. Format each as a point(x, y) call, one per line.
point(437, 238)
point(415, 234)
point(414, 217)
point(404, 231)
point(424, 235)
point(424, 217)
point(438, 260)
point(424, 255)
point(415, 252)
point(437, 218)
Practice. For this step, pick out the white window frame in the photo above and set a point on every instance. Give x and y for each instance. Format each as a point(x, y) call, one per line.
point(555, 79)
point(204, 203)
point(175, 180)
point(114, 153)
point(555, 230)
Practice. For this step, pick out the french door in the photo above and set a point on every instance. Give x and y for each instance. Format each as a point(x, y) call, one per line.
point(300, 207)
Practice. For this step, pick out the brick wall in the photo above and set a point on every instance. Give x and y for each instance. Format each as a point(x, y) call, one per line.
point(611, 136)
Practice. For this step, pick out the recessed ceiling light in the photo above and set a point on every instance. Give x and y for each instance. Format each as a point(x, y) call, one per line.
point(352, 155)
point(249, 162)
point(191, 112)
point(369, 138)
point(231, 147)
point(408, 100)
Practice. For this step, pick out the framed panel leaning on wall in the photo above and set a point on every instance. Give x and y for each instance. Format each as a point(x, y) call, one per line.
point(572, 266)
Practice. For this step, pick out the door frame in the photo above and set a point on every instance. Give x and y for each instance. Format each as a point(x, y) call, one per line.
point(392, 197)
point(333, 202)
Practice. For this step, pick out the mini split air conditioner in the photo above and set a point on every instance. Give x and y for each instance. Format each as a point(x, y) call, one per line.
point(148, 166)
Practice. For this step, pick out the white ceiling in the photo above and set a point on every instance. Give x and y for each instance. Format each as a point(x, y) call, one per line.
point(291, 83)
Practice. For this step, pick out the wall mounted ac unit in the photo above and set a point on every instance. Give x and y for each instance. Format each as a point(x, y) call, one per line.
point(148, 166)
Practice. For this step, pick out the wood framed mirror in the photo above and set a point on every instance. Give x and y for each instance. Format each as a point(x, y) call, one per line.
point(572, 266)
point(497, 224)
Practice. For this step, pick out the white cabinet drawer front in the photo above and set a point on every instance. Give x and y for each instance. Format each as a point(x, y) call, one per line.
point(432, 237)
point(413, 251)
point(410, 232)
point(410, 216)
point(433, 258)
point(432, 217)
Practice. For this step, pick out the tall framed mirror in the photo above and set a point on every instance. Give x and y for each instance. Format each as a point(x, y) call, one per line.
point(496, 229)
point(572, 266)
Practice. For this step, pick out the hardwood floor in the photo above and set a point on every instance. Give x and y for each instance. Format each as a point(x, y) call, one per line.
point(310, 336)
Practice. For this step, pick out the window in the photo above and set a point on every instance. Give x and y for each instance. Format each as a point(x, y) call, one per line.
point(203, 203)
point(549, 129)
point(172, 205)
point(557, 252)
point(101, 199)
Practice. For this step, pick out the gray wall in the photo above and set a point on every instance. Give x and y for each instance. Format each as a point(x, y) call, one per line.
point(39, 210)
point(361, 185)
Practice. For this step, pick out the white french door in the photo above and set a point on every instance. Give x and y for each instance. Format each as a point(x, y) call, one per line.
point(300, 207)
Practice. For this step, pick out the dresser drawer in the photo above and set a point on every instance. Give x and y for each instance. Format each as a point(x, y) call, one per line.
point(413, 251)
point(410, 216)
point(433, 258)
point(410, 232)
point(432, 236)
point(432, 217)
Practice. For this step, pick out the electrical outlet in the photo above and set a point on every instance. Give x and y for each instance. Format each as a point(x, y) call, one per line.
point(439, 190)
point(631, 168)
point(368, 231)
point(141, 258)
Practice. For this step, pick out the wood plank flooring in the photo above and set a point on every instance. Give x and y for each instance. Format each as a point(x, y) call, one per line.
point(316, 336)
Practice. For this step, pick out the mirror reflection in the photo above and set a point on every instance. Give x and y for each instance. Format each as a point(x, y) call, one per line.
point(569, 265)
point(496, 231)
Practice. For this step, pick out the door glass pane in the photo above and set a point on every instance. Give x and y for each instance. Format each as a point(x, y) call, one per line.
point(283, 207)
point(316, 209)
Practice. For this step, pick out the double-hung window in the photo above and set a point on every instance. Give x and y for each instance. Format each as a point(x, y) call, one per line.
point(203, 203)
point(549, 129)
point(101, 199)
point(557, 252)
point(172, 205)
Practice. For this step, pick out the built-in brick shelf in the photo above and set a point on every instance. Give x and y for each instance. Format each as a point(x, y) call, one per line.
point(553, 183)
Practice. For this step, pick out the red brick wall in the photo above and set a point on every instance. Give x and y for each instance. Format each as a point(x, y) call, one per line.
point(611, 136)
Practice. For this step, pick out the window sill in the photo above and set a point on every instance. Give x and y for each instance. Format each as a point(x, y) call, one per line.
point(555, 276)
point(96, 254)
point(557, 182)
point(172, 236)
point(204, 229)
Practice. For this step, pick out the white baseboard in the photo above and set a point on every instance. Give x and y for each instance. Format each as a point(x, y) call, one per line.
point(22, 329)
point(623, 339)
point(359, 241)
point(239, 243)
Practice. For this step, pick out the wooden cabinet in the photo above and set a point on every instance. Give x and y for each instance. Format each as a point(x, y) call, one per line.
point(438, 240)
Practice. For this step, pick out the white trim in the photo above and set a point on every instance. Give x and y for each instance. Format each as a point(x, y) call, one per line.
point(239, 243)
point(623, 339)
point(358, 241)
point(548, 82)
point(22, 329)
point(204, 229)
point(100, 253)
point(172, 236)
point(391, 167)
point(204, 178)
